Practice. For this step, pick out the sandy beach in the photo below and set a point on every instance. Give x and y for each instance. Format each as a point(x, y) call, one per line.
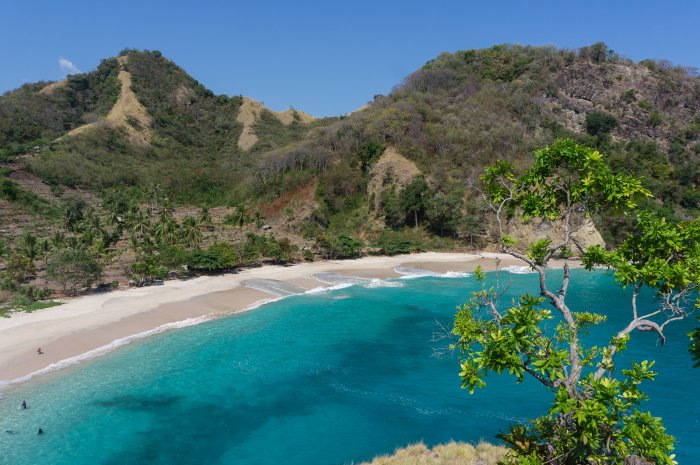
point(87, 326)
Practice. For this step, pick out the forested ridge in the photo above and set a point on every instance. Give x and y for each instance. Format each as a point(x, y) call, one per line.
point(399, 175)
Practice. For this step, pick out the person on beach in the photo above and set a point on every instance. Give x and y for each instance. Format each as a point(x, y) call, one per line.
point(24, 405)
point(39, 352)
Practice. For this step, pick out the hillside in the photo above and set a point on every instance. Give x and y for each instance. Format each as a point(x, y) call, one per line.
point(144, 167)
point(464, 110)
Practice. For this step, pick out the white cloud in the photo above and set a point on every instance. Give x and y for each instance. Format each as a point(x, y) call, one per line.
point(67, 67)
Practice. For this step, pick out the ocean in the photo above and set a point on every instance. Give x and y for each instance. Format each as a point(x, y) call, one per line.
point(332, 377)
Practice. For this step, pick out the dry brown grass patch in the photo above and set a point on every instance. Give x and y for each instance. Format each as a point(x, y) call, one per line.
point(452, 453)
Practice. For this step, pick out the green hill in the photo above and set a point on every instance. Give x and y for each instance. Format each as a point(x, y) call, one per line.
point(138, 141)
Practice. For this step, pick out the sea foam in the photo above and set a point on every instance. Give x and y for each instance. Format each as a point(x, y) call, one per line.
point(273, 286)
point(345, 280)
point(516, 269)
point(410, 272)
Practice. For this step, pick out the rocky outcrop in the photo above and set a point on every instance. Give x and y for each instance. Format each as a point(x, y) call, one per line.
point(525, 233)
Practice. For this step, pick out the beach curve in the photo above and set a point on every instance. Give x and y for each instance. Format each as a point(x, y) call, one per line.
point(89, 326)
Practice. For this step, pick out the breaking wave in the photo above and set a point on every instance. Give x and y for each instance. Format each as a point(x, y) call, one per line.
point(410, 272)
point(345, 280)
point(273, 286)
point(517, 269)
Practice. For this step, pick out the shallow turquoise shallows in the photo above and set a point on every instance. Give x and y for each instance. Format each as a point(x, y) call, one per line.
point(330, 378)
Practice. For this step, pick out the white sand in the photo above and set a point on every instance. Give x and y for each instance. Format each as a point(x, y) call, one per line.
point(91, 324)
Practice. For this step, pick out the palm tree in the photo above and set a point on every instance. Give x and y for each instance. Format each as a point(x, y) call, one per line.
point(258, 219)
point(155, 193)
point(204, 215)
point(57, 240)
point(93, 224)
point(114, 218)
point(44, 248)
point(28, 244)
point(240, 216)
point(72, 242)
point(166, 208)
point(190, 231)
point(73, 213)
point(139, 222)
point(166, 230)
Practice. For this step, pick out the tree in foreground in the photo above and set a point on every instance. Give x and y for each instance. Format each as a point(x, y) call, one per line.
point(594, 417)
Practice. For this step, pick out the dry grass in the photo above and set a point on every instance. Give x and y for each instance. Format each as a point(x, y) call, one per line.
point(250, 112)
point(126, 108)
point(53, 87)
point(453, 453)
point(392, 167)
point(247, 115)
point(287, 116)
point(295, 199)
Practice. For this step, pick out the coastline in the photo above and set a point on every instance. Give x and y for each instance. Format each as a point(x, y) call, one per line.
point(88, 326)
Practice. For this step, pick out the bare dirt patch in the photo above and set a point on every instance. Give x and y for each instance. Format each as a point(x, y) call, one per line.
point(127, 112)
point(53, 87)
point(392, 168)
point(250, 112)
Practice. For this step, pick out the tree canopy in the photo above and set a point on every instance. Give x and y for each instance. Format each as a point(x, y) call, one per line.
point(595, 416)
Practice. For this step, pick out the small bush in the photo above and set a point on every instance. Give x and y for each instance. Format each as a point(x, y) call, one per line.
point(599, 123)
point(395, 243)
point(629, 96)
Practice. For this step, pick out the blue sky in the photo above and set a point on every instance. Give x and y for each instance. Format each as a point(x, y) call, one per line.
point(326, 58)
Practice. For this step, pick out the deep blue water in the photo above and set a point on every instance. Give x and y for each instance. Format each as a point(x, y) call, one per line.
point(328, 378)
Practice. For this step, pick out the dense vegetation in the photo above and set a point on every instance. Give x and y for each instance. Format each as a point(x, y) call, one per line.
point(322, 184)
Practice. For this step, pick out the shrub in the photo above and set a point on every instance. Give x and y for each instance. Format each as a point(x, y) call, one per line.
point(20, 268)
point(173, 256)
point(599, 123)
point(146, 270)
point(308, 255)
point(645, 105)
point(219, 256)
point(629, 96)
point(339, 247)
point(394, 243)
point(655, 118)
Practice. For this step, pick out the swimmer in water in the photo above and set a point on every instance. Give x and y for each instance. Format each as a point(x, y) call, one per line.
point(24, 405)
point(40, 432)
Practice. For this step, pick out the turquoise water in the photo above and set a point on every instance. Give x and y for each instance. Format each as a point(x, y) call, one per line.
point(327, 378)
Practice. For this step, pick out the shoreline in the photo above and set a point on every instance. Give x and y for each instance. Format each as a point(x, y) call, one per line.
point(89, 326)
